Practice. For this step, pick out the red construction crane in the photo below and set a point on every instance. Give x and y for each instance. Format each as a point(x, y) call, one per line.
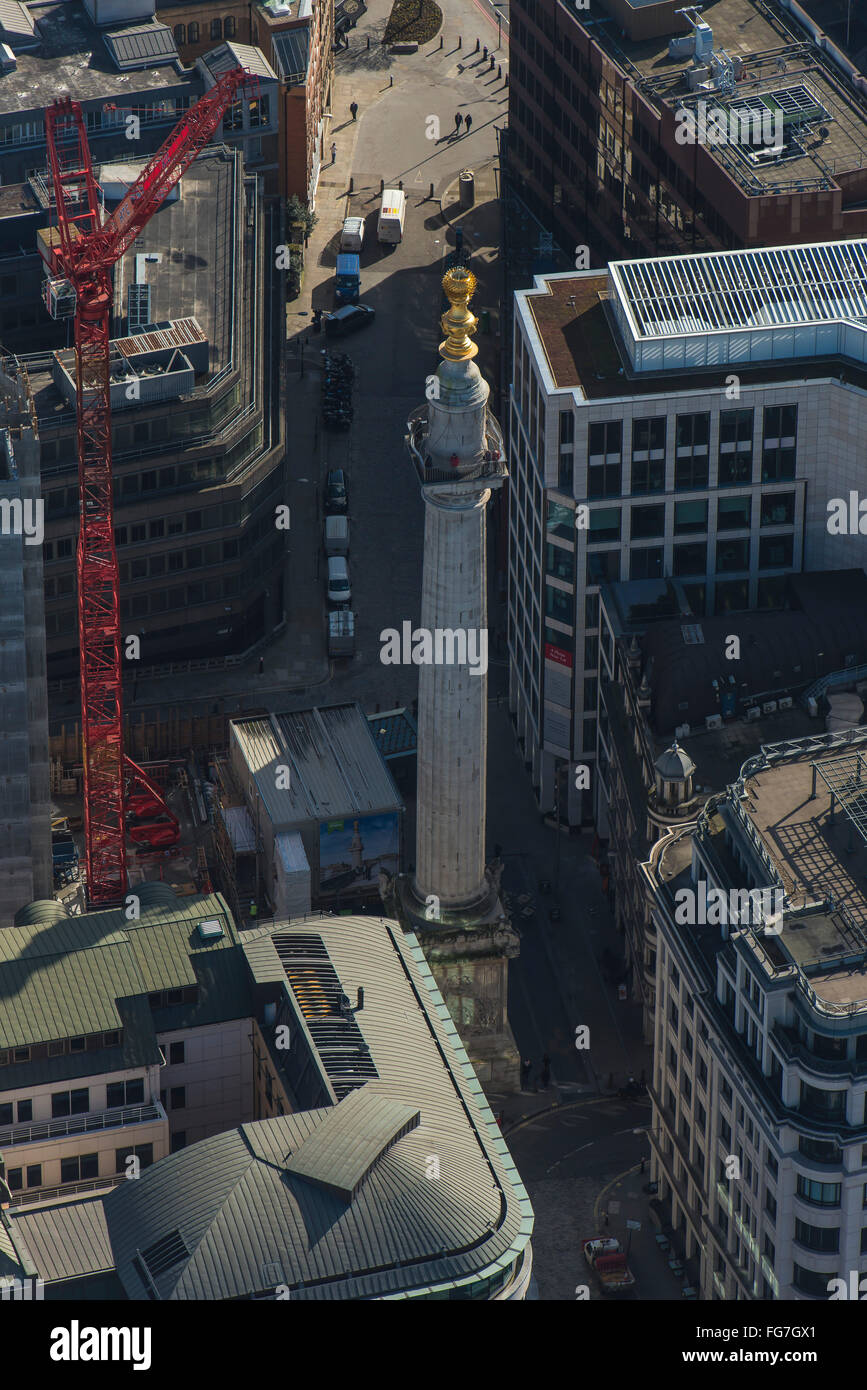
point(113, 784)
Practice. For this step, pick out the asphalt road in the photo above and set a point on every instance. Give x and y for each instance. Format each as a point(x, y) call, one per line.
point(568, 1158)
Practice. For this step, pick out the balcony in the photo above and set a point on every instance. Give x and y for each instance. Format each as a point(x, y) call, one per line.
point(80, 1124)
point(490, 470)
point(795, 1051)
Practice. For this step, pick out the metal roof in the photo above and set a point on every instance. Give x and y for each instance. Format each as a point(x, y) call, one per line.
point(353, 1136)
point(724, 290)
point(335, 769)
point(66, 1239)
point(291, 51)
point(91, 974)
point(16, 25)
point(141, 46)
point(239, 55)
point(396, 733)
point(250, 1221)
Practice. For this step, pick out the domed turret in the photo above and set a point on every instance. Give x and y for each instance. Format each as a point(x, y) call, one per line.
point(674, 775)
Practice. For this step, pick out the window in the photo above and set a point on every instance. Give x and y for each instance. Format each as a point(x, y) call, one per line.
point(180, 33)
point(567, 428)
point(25, 1111)
point(178, 1097)
point(735, 447)
point(558, 604)
point(771, 1164)
point(216, 29)
point(176, 1053)
point(775, 552)
point(560, 522)
point(648, 438)
point(143, 1152)
point(690, 516)
point(604, 459)
point(732, 597)
point(34, 1175)
point(15, 1179)
point(778, 508)
point(825, 1239)
point(6, 1113)
point(604, 524)
point(693, 432)
point(725, 1131)
point(690, 472)
point(560, 563)
point(565, 473)
point(733, 555)
point(70, 1103)
point(119, 1093)
point(193, 32)
point(601, 565)
point(648, 476)
point(647, 522)
point(229, 27)
point(824, 1105)
point(79, 1168)
point(690, 558)
point(779, 443)
point(770, 1204)
point(702, 1073)
point(733, 513)
point(818, 1194)
point(647, 563)
point(822, 1150)
point(811, 1282)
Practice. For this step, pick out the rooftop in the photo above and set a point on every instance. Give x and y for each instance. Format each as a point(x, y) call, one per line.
point(335, 1203)
point(72, 57)
point(593, 330)
point(194, 237)
point(335, 767)
point(763, 52)
point(92, 974)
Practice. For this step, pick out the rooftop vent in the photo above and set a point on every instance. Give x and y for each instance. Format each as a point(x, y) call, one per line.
point(211, 930)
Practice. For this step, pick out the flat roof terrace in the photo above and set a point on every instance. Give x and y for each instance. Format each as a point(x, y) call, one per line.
point(776, 54)
point(72, 58)
point(813, 851)
point(573, 319)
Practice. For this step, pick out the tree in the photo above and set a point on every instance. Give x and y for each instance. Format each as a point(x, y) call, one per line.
point(296, 211)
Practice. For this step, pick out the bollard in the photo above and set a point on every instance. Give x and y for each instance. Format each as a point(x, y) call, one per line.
point(441, 40)
point(476, 49)
point(499, 69)
point(368, 40)
point(430, 194)
point(460, 40)
point(491, 63)
point(391, 79)
point(352, 184)
point(485, 54)
point(506, 80)
point(400, 183)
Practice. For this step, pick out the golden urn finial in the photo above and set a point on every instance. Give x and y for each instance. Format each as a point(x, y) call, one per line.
point(459, 286)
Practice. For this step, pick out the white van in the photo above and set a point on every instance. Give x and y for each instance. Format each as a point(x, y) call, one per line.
point(338, 580)
point(336, 535)
point(352, 236)
point(392, 214)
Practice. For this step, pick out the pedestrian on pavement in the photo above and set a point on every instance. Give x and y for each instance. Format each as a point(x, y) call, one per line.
point(458, 119)
point(261, 664)
point(546, 1072)
point(353, 106)
point(643, 1161)
point(605, 1219)
point(468, 120)
point(526, 1066)
point(333, 151)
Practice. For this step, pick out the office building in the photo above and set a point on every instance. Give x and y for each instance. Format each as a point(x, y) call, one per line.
point(681, 707)
point(690, 418)
point(758, 1131)
point(25, 808)
point(370, 1168)
point(600, 104)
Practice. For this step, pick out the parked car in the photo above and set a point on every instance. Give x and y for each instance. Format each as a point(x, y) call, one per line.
point(336, 535)
point(348, 319)
point(352, 236)
point(335, 492)
point(339, 590)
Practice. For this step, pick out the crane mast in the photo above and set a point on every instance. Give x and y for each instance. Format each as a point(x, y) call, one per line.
point(87, 251)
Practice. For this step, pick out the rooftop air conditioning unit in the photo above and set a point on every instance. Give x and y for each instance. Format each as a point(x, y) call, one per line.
point(786, 702)
point(754, 713)
point(770, 707)
point(713, 721)
point(682, 731)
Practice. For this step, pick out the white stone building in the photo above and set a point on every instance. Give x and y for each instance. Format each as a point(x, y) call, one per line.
point(687, 418)
point(759, 1130)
